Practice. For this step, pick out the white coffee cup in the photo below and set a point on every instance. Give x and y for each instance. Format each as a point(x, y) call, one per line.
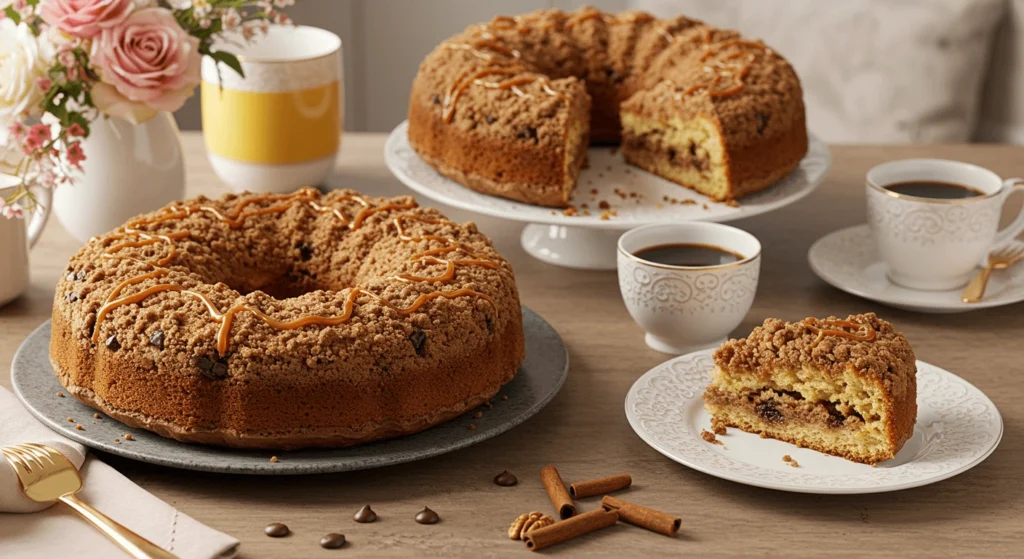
point(688, 308)
point(932, 243)
point(16, 239)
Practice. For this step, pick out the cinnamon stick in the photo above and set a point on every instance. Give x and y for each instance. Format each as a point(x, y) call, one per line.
point(653, 520)
point(600, 486)
point(556, 492)
point(569, 529)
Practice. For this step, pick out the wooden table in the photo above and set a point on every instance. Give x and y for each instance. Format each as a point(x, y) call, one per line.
point(584, 430)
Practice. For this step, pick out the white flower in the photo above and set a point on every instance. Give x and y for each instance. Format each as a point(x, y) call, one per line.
point(231, 19)
point(201, 8)
point(23, 60)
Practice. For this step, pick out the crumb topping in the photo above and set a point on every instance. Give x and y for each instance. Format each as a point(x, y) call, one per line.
point(790, 345)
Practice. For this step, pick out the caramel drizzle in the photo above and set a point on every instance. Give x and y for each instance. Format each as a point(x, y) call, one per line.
point(862, 332)
point(236, 218)
point(474, 77)
point(731, 68)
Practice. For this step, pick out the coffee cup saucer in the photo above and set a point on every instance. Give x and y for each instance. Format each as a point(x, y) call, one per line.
point(848, 260)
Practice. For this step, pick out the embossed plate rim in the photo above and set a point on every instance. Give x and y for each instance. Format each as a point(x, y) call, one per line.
point(539, 379)
point(903, 297)
point(634, 404)
point(399, 156)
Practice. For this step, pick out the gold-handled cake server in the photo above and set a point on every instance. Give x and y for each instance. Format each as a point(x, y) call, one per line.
point(46, 476)
point(998, 260)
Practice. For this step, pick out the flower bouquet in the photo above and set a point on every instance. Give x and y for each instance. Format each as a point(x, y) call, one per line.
point(73, 61)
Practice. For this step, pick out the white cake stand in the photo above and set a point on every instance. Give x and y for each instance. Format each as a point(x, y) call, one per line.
point(636, 197)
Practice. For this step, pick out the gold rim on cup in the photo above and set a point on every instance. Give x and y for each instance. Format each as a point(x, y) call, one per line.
point(737, 264)
point(909, 198)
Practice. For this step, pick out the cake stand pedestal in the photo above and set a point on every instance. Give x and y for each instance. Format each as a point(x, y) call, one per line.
point(611, 197)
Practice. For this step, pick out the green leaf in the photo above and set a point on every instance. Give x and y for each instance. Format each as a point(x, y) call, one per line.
point(13, 14)
point(229, 60)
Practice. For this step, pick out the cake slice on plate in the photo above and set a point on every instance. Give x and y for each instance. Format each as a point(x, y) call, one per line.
point(842, 387)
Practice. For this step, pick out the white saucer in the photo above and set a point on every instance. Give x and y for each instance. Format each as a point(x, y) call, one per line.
point(957, 428)
point(848, 260)
point(588, 242)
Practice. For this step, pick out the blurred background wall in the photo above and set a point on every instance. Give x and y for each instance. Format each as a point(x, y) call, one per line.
point(873, 70)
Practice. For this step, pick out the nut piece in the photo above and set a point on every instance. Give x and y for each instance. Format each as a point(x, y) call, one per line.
point(528, 522)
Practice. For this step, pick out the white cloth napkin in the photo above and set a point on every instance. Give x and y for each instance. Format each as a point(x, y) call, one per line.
point(59, 532)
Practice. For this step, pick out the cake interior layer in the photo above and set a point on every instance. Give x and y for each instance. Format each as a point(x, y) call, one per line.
point(575, 155)
point(844, 415)
point(689, 152)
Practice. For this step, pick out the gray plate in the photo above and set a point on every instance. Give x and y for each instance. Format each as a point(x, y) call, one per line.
point(539, 379)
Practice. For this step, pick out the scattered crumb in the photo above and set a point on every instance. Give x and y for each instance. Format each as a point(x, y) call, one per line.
point(570, 211)
point(488, 404)
point(71, 420)
point(584, 205)
point(504, 397)
point(273, 459)
point(874, 465)
point(789, 460)
point(718, 428)
point(614, 150)
point(688, 202)
point(609, 168)
point(478, 415)
point(60, 394)
point(593, 191)
point(731, 203)
point(659, 206)
point(97, 416)
point(705, 206)
point(708, 436)
point(118, 441)
point(553, 212)
point(79, 427)
point(472, 427)
point(128, 437)
point(586, 212)
point(604, 205)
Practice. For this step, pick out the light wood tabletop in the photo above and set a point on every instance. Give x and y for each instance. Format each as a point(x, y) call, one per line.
point(584, 430)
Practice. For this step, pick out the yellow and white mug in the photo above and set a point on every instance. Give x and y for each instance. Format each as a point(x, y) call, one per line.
point(279, 127)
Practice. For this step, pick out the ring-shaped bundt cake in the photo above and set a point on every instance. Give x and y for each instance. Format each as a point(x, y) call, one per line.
point(284, 321)
point(509, 107)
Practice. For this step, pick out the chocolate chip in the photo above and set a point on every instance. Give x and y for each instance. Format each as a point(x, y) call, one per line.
point(276, 530)
point(90, 327)
point(436, 99)
point(418, 339)
point(490, 324)
point(528, 133)
point(157, 339)
point(427, 516)
point(71, 297)
point(219, 370)
point(203, 362)
point(365, 515)
point(112, 343)
point(762, 122)
point(612, 75)
point(506, 479)
point(491, 119)
point(769, 412)
point(332, 541)
point(305, 251)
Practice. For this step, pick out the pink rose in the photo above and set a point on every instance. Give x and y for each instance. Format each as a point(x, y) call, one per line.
point(84, 18)
point(148, 63)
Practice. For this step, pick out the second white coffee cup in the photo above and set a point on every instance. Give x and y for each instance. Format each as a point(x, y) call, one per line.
point(931, 243)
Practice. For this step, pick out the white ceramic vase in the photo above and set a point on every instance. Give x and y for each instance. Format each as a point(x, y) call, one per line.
point(129, 169)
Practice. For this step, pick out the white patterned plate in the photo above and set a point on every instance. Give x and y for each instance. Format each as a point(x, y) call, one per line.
point(607, 173)
point(848, 260)
point(957, 428)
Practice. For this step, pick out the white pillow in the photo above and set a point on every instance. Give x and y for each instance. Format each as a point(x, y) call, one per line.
point(873, 71)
